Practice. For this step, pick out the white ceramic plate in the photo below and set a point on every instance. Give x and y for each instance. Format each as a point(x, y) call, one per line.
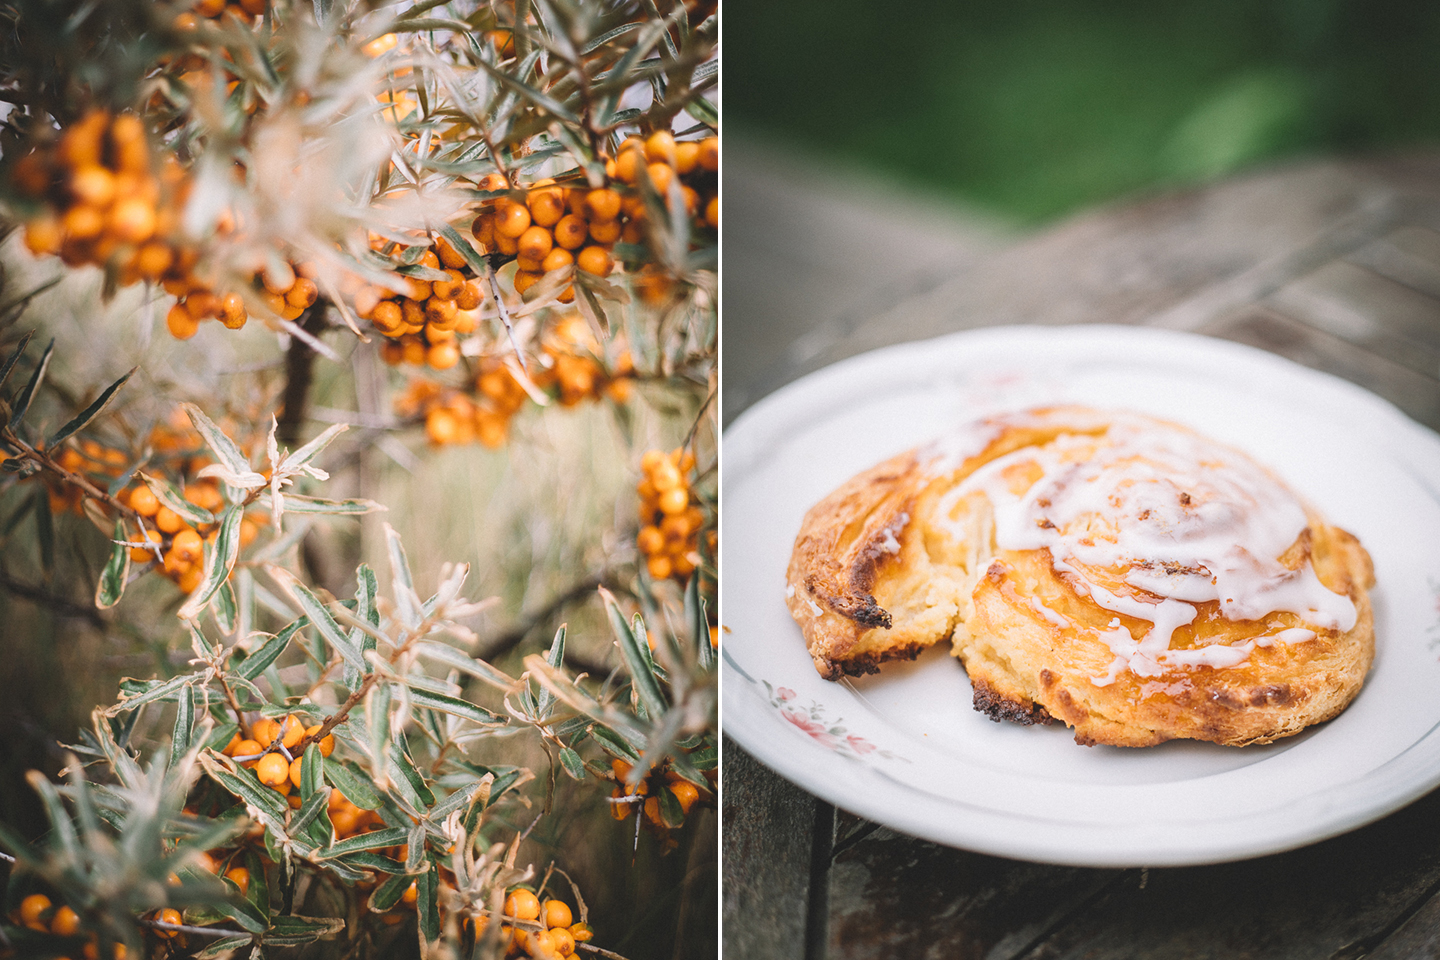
point(906, 749)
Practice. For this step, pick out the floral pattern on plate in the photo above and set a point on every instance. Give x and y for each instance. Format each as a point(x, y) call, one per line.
point(812, 723)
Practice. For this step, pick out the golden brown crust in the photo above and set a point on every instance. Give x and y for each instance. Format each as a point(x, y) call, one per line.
point(878, 573)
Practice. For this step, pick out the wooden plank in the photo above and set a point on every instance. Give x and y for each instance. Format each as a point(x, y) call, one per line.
point(1336, 899)
point(1365, 308)
point(892, 895)
point(1415, 394)
point(1408, 255)
point(766, 838)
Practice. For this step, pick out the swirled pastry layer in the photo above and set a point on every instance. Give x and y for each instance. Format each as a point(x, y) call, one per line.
point(1123, 575)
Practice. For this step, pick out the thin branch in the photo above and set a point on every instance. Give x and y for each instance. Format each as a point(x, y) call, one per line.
point(62, 605)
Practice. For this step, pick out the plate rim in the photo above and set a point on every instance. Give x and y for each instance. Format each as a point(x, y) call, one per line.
point(1324, 813)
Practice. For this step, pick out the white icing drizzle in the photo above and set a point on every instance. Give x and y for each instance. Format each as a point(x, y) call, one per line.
point(789, 591)
point(1175, 518)
point(889, 543)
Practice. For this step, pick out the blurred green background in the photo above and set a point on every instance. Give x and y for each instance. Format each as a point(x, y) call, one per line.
point(1030, 110)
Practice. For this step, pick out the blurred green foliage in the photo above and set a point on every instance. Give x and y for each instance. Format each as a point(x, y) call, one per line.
point(1033, 109)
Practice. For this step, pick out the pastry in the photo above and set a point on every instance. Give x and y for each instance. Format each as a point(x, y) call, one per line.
point(1120, 574)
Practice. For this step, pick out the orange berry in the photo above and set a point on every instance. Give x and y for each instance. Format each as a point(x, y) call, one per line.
point(327, 745)
point(247, 748)
point(535, 243)
point(168, 521)
point(44, 235)
point(710, 154)
point(411, 894)
point(607, 232)
point(133, 220)
point(686, 793)
point(295, 767)
point(571, 232)
point(65, 922)
point(171, 916)
point(469, 296)
point(628, 164)
point(240, 877)
point(524, 280)
point(33, 908)
point(557, 913)
point(303, 293)
point(443, 356)
point(674, 500)
point(522, 905)
point(712, 213)
point(581, 932)
point(448, 289)
point(546, 207)
point(449, 256)
point(650, 540)
point(596, 260)
point(273, 770)
point(232, 311)
point(140, 554)
point(661, 176)
point(181, 324)
point(557, 259)
point(660, 148)
point(387, 317)
point(265, 731)
point(512, 220)
point(144, 502)
point(687, 156)
point(603, 204)
point(440, 312)
point(187, 546)
point(93, 184)
point(564, 941)
point(292, 731)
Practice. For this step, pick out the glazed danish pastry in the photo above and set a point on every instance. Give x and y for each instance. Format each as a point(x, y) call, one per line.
point(1120, 574)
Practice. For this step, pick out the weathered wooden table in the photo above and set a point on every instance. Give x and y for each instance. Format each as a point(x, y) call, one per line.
point(1334, 265)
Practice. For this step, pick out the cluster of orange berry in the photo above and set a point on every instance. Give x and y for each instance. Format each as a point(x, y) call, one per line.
point(558, 934)
point(38, 913)
point(267, 752)
point(624, 798)
point(422, 323)
point(568, 363)
point(669, 535)
point(102, 200)
point(88, 458)
point(243, 10)
point(182, 546)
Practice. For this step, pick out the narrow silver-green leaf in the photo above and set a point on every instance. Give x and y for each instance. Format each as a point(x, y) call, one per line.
point(294, 503)
point(637, 662)
point(219, 561)
point(320, 616)
point(555, 656)
point(184, 724)
point(223, 608)
point(377, 723)
point(573, 764)
point(90, 412)
point(270, 651)
point(427, 885)
point(696, 616)
point(456, 707)
point(463, 247)
point(10, 361)
point(460, 660)
point(415, 848)
point(389, 893)
point(224, 448)
point(356, 786)
point(116, 572)
point(312, 771)
point(374, 840)
point(670, 810)
point(311, 450)
point(308, 813)
point(161, 691)
point(406, 601)
point(289, 931)
point(26, 395)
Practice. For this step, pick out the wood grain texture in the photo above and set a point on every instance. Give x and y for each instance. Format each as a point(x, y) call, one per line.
point(768, 825)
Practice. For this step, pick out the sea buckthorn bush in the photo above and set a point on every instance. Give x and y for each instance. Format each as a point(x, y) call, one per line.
point(357, 478)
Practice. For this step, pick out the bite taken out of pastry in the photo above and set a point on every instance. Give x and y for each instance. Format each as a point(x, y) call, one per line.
point(1120, 574)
